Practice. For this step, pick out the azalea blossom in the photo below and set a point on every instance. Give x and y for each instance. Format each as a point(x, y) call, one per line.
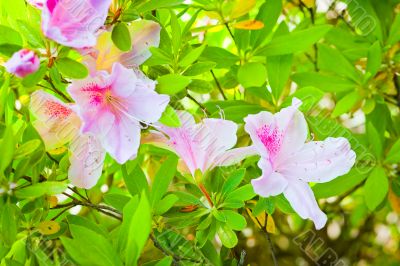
point(112, 106)
point(23, 63)
point(288, 162)
point(201, 146)
point(58, 124)
point(74, 23)
point(144, 34)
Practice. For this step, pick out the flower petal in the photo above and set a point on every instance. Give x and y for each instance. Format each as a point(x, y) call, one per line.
point(86, 158)
point(74, 23)
point(269, 183)
point(145, 34)
point(216, 137)
point(146, 104)
point(123, 139)
point(23, 63)
point(56, 122)
point(321, 161)
point(236, 155)
point(253, 124)
point(294, 129)
point(302, 200)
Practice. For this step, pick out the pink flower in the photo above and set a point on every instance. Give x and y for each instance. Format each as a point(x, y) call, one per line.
point(201, 146)
point(288, 163)
point(74, 22)
point(58, 124)
point(112, 106)
point(37, 3)
point(23, 63)
point(144, 34)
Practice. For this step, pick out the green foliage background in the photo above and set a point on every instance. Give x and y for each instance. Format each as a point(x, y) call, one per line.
point(343, 62)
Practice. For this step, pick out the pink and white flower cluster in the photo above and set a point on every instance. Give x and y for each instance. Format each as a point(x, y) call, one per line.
point(112, 103)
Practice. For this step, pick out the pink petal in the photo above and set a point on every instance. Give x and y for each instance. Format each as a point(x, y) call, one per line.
point(74, 22)
point(123, 81)
point(56, 122)
point(123, 140)
point(23, 63)
point(302, 200)
point(253, 123)
point(269, 183)
point(86, 158)
point(320, 161)
point(294, 128)
point(216, 137)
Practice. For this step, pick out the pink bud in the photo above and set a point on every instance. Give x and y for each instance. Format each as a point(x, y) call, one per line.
point(22, 63)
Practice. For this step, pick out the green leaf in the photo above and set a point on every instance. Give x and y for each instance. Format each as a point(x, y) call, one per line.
point(167, 261)
point(324, 82)
point(340, 185)
point(252, 75)
point(346, 103)
point(7, 148)
point(71, 68)
point(166, 203)
point(309, 96)
point(243, 193)
point(221, 57)
point(375, 139)
point(234, 220)
point(153, 5)
point(227, 236)
point(233, 181)
point(136, 181)
point(83, 250)
point(139, 231)
point(176, 33)
point(393, 156)
point(27, 148)
point(330, 59)
point(199, 68)
point(118, 201)
point(172, 83)
point(33, 79)
point(40, 189)
point(200, 86)
point(162, 179)
point(374, 59)
point(121, 37)
point(170, 118)
point(376, 188)
point(192, 56)
point(394, 35)
point(31, 34)
point(279, 68)
point(10, 40)
point(268, 14)
point(294, 42)
point(8, 224)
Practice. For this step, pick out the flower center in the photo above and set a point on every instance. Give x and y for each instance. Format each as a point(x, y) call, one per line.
point(271, 137)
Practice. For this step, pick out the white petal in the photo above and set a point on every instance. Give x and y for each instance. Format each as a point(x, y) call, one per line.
point(86, 158)
point(302, 200)
point(123, 140)
point(320, 161)
point(236, 155)
point(57, 123)
point(269, 183)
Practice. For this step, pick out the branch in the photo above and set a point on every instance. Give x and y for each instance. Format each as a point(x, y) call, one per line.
point(218, 85)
